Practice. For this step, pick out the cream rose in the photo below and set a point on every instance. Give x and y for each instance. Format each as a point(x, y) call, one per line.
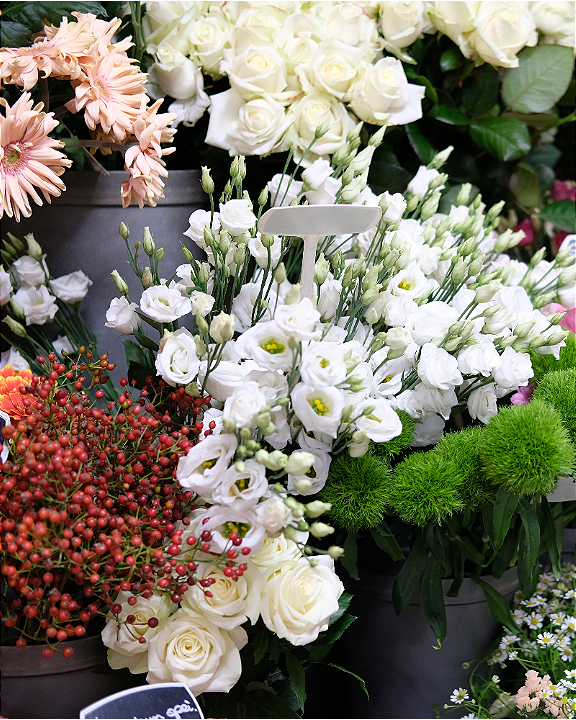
point(177, 361)
point(298, 599)
point(195, 652)
point(402, 22)
point(555, 20)
point(455, 19)
point(501, 30)
point(208, 35)
point(71, 288)
point(254, 71)
point(276, 550)
point(333, 69)
point(38, 305)
point(348, 22)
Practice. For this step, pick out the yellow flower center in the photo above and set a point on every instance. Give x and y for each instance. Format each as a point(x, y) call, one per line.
point(373, 417)
point(324, 363)
point(404, 285)
point(318, 406)
point(273, 346)
point(240, 528)
point(387, 378)
point(207, 464)
point(242, 484)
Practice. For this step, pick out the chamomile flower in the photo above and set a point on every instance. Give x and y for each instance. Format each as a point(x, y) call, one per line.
point(557, 618)
point(557, 690)
point(546, 639)
point(567, 654)
point(471, 716)
point(507, 640)
point(570, 673)
point(459, 695)
point(534, 621)
point(498, 657)
point(569, 625)
point(513, 655)
point(519, 615)
point(570, 595)
point(534, 601)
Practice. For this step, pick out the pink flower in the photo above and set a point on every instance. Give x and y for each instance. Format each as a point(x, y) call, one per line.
point(28, 158)
point(563, 190)
point(523, 396)
point(558, 239)
point(569, 320)
point(528, 228)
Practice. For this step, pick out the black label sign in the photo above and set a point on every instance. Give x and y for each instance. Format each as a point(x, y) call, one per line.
point(163, 700)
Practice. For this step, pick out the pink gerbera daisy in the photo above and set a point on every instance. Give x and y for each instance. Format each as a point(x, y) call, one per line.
point(104, 31)
point(28, 158)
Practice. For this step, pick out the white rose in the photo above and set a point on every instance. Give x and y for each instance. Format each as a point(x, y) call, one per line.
point(501, 30)
point(323, 364)
point(383, 95)
point(307, 114)
point(318, 409)
point(254, 71)
point(482, 403)
point(179, 78)
point(348, 22)
point(63, 345)
point(121, 316)
point(478, 359)
point(12, 357)
point(333, 69)
point(121, 638)
point(225, 377)
point(431, 321)
point(28, 271)
point(330, 293)
point(232, 602)
point(456, 20)
point(437, 368)
point(421, 181)
point(402, 22)
point(198, 221)
point(267, 344)
point(222, 520)
point(208, 35)
point(277, 549)
point(513, 370)
point(395, 206)
point(318, 473)
point(265, 256)
point(195, 652)
point(298, 599)
point(382, 424)
point(555, 20)
point(177, 361)
point(200, 469)
point(71, 288)
point(261, 21)
point(298, 39)
point(5, 286)
point(38, 305)
point(244, 403)
point(237, 217)
point(164, 304)
point(428, 430)
point(298, 320)
point(273, 514)
point(283, 190)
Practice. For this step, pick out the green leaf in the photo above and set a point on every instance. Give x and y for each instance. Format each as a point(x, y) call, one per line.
point(33, 14)
point(145, 341)
point(528, 548)
point(135, 354)
point(409, 576)
point(480, 92)
point(350, 558)
point(504, 507)
point(569, 97)
point(498, 605)
point(297, 678)
point(450, 60)
point(561, 214)
point(540, 80)
point(337, 629)
point(419, 143)
point(525, 184)
point(432, 598)
point(540, 121)
point(450, 116)
point(505, 138)
point(349, 672)
point(386, 541)
point(471, 553)
point(389, 176)
point(14, 34)
point(505, 556)
point(343, 604)
point(544, 155)
point(553, 531)
point(264, 704)
point(261, 645)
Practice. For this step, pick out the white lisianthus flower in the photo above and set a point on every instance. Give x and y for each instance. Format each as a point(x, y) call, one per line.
point(265, 256)
point(28, 271)
point(323, 364)
point(177, 361)
point(121, 638)
point(244, 403)
point(283, 190)
point(409, 282)
point(271, 382)
point(513, 299)
point(121, 316)
point(428, 430)
point(254, 71)
point(567, 296)
point(395, 206)
point(316, 175)
point(437, 368)
point(226, 376)
point(38, 305)
point(164, 304)
point(421, 181)
point(394, 310)
point(237, 217)
point(63, 345)
point(243, 305)
point(242, 489)
point(273, 514)
point(197, 653)
point(298, 599)
point(501, 30)
point(431, 321)
point(198, 221)
point(555, 20)
point(201, 303)
point(478, 359)
point(482, 403)
point(318, 408)
point(513, 370)
point(318, 473)
point(382, 424)
point(428, 259)
point(388, 377)
point(383, 96)
point(277, 549)
point(330, 293)
point(5, 286)
point(298, 320)
point(402, 22)
point(222, 520)
point(200, 469)
point(267, 344)
point(71, 288)
point(232, 602)
point(12, 357)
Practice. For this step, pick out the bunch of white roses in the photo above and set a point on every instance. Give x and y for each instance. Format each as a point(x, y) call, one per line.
point(294, 65)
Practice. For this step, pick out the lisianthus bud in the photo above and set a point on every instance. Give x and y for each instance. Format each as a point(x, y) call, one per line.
point(438, 181)
point(15, 326)
point(563, 258)
point(376, 139)
point(347, 176)
point(123, 230)
point(370, 295)
point(322, 129)
point(292, 297)
point(303, 486)
point(207, 182)
point(556, 319)
point(209, 238)
point(316, 508)
point(537, 257)
point(239, 254)
point(204, 273)
point(299, 463)
point(120, 283)
point(413, 202)
point(321, 269)
point(567, 276)
point(524, 328)
point(159, 254)
point(430, 206)
point(320, 529)
point(464, 194)
point(222, 328)
point(148, 242)
point(537, 342)
point(201, 324)
point(335, 551)
point(147, 279)
point(263, 197)
point(556, 338)
point(440, 158)
point(452, 344)
point(224, 242)
point(362, 160)
point(485, 293)
point(372, 316)
point(17, 309)
point(234, 168)
point(280, 273)
point(267, 240)
point(34, 249)
point(298, 509)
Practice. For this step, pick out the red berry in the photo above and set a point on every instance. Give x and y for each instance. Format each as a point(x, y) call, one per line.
point(68, 652)
point(47, 652)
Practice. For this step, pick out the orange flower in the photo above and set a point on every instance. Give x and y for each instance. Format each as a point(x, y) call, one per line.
point(11, 401)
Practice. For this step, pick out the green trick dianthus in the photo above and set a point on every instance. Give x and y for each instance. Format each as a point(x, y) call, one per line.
point(542, 364)
point(525, 448)
point(559, 389)
point(358, 491)
point(400, 442)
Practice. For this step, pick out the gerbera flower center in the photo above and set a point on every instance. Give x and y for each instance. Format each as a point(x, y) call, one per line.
point(13, 158)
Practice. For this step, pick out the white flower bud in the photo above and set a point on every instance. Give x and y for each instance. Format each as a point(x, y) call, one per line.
point(320, 529)
point(485, 293)
point(147, 280)
point(440, 158)
point(224, 242)
point(299, 463)
point(15, 326)
point(292, 297)
point(34, 249)
point(280, 273)
point(207, 182)
point(120, 282)
point(316, 508)
point(335, 551)
point(464, 194)
point(148, 242)
point(430, 207)
point(222, 328)
point(303, 486)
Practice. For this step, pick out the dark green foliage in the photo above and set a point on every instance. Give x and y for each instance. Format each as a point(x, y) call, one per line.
point(358, 491)
point(398, 444)
point(525, 448)
point(425, 487)
point(542, 364)
point(559, 389)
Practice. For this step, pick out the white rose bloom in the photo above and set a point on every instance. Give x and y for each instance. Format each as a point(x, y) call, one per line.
point(177, 361)
point(242, 489)
point(260, 253)
point(12, 357)
point(316, 175)
point(200, 303)
point(555, 20)
point(164, 304)
point(195, 652)
point(259, 23)
point(177, 76)
point(237, 217)
point(244, 403)
point(297, 41)
point(431, 321)
point(333, 69)
point(349, 22)
point(307, 114)
point(275, 550)
point(501, 30)
point(478, 359)
point(63, 345)
point(254, 71)
point(200, 469)
point(513, 299)
point(330, 293)
point(28, 271)
point(208, 35)
point(222, 520)
point(402, 22)
point(319, 409)
point(121, 316)
point(256, 127)
point(121, 638)
point(396, 204)
point(455, 19)
point(267, 344)
point(513, 370)
point(437, 368)
point(273, 514)
point(5, 286)
point(323, 364)
point(198, 221)
point(428, 430)
point(38, 305)
point(382, 424)
point(283, 190)
point(298, 599)
point(421, 181)
point(298, 320)
point(482, 403)
point(383, 96)
point(233, 602)
point(318, 473)
point(226, 376)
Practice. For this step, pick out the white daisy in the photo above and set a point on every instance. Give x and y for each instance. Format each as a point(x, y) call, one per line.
point(534, 621)
point(459, 695)
point(557, 618)
point(513, 655)
point(570, 673)
point(546, 639)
